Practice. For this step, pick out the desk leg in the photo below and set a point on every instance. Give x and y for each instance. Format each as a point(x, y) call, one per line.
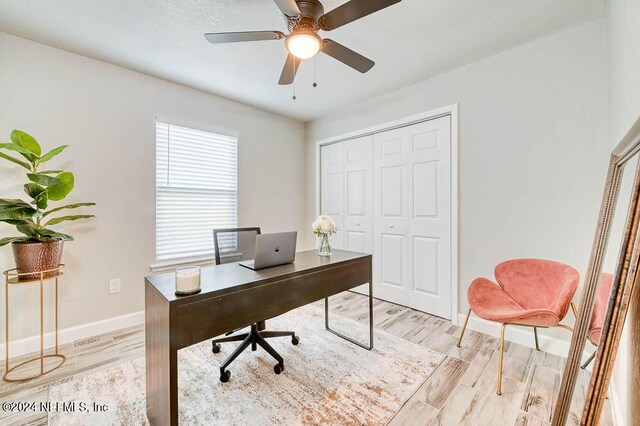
point(362, 345)
point(161, 362)
point(173, 385)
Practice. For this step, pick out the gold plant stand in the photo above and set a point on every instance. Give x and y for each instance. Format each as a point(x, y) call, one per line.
point(12, 277)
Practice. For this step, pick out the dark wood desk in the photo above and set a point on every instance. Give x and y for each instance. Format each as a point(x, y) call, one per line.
point(233, 297)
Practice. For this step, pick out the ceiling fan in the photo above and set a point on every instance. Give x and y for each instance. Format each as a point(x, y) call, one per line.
point(304, 19)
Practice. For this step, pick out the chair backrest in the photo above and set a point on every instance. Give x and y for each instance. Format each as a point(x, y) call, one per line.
point(539, 283)
point(234, 244)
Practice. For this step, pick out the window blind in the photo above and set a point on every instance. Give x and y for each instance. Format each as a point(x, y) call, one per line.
point(196, 190)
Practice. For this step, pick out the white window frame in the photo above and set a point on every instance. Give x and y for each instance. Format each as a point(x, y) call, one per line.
point(170, 264)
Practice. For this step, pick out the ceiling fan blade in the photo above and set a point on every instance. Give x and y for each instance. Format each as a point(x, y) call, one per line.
point(243, 36)
point(289, 70)
point(351, 11)
point(347, 56)
point(288, 7)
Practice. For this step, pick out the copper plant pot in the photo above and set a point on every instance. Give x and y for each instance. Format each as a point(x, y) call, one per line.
point(33, 257)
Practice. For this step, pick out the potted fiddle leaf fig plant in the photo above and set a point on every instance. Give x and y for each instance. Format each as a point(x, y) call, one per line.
point(40, 247)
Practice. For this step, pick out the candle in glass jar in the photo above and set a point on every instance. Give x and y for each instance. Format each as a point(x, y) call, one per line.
point(188, 280)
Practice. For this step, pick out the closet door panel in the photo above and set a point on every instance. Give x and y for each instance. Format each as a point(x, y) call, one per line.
point(391, 186)
point(358, 197)
point(357, 241)
point(356, 203)
point(333, 191)
point(332, 188)
point(412, 229)
point(391, 191)
point(392, 254)
point(425, 193)
point(430, 222)
point(426, 254)
point(358, 193)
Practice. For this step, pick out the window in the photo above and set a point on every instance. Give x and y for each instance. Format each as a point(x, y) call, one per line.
point(196, 190)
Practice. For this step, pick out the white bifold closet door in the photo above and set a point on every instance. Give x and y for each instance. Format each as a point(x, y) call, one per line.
point(412, 216)
point(346, 194)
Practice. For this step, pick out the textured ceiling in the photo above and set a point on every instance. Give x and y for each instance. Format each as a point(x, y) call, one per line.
point(409, 41)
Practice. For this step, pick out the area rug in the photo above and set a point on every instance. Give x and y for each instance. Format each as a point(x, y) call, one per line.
point(327, 381)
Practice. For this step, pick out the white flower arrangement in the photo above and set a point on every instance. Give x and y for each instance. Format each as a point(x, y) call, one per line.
point(324, 225)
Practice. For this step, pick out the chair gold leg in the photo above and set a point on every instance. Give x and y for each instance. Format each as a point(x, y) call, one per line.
point(499, 392)
point(575, 310)
point(464, 327)
point(588, 361)
point(535, 334)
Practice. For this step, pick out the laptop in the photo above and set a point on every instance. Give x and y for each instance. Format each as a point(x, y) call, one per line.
point(273, 250)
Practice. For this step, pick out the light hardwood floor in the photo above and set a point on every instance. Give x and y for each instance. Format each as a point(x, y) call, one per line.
point(460, 391)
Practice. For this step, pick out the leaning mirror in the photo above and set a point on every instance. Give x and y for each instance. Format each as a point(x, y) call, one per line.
point(603, 293)
point(600, 335)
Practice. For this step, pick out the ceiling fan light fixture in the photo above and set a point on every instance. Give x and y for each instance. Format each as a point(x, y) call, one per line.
point(303, 44)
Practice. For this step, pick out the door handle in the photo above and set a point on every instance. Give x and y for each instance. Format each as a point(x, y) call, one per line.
point(391, 226)
point(358, 224)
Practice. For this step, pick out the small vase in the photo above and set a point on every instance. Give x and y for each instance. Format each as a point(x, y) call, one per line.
point(325, 247)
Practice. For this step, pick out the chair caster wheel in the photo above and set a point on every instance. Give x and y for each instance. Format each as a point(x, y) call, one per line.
point(279, 368)
point(295, 340)
point(224, 376)
point(215, 348)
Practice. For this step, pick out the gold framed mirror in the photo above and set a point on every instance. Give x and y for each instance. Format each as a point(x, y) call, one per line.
point(610, 289)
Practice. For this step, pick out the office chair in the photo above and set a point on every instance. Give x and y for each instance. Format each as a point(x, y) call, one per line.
point(234, 245)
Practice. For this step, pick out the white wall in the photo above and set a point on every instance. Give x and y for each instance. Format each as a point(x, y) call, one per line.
point(106, 114)
point(623, 35)
point(533, 148)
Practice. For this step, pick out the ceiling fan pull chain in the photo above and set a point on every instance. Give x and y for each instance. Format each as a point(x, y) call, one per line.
point(294, 79)
point(314, 72)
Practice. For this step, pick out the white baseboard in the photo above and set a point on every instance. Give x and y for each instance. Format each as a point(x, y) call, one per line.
point(520, 335)
point(71, 334)
point(616, 408)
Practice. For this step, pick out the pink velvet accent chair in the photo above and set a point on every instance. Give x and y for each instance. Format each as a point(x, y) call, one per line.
point(529, 292)
point(599, 311)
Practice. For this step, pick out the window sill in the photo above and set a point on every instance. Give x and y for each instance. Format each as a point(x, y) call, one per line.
point(171, 265)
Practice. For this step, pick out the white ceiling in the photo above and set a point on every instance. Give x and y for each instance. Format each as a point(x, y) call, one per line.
point(409, 41)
